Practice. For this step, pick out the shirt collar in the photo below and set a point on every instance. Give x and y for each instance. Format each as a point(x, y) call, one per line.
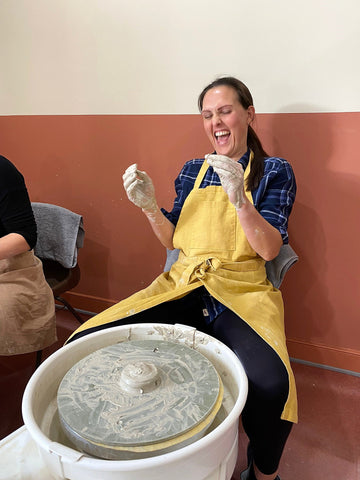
point(244, 160)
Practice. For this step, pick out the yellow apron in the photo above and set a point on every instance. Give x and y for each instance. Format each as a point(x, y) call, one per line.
point(214, 252)
point(27, 307)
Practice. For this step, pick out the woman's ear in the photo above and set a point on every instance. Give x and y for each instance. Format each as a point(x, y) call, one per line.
point(251, 114)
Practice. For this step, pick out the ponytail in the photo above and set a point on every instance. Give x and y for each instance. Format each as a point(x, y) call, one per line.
point(257, 165)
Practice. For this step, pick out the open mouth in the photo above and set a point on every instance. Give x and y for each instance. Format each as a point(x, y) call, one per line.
point(222, 136)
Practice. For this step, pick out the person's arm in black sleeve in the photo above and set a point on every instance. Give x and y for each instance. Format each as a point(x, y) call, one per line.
point(17, 223)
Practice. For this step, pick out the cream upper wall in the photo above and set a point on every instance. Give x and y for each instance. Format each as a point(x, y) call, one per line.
point(153, 57)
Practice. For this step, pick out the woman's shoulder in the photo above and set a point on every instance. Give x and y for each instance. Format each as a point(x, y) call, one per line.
point(191, 168)
point(277, 164)
point(7, 166)
point(194, 163)
point(5, 163)
point(9, 174)
point(277, 161)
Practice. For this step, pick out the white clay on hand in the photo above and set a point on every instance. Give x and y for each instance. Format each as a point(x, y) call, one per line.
point(139, 188)
point(231, 175)
point(129, 176)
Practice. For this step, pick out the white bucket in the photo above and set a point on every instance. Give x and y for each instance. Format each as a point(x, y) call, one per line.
point(212, 457)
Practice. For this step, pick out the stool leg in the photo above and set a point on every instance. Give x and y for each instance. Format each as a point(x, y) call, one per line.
point(70, 308)
point(38, 358)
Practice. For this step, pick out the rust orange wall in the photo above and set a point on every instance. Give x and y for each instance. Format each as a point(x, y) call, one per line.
point(78, 162)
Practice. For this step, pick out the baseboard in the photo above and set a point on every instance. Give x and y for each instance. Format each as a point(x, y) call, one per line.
point(325, 367)
point(342, 358)
point(88, 303)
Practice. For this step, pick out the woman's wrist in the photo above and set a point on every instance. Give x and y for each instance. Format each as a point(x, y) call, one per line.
point(154, 215)
point(244, 207)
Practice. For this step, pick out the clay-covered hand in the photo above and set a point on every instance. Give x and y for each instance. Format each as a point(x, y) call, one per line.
point(139, 188)
point(231, 175)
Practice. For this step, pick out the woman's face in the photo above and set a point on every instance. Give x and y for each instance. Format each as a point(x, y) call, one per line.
point(226, 121)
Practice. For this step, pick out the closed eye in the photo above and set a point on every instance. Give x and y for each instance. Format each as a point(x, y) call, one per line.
point(206, 115)
point(225, 110)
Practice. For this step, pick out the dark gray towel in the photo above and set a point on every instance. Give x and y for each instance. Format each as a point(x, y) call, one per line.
point(60, 233)
point(275, 269)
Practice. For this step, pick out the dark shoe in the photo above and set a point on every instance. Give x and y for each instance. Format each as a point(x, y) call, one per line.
point(249, 454)
point(245, 474)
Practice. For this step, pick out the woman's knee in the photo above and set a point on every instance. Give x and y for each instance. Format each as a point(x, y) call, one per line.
point(267, 375)
point(271, 388)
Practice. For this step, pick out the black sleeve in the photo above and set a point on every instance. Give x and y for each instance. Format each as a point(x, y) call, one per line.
point(16, 215)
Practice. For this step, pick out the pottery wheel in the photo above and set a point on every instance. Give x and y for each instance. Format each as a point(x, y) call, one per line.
point(137, 393)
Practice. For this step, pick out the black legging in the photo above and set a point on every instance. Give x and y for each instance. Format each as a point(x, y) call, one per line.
point(268, 390)
point(267, 376)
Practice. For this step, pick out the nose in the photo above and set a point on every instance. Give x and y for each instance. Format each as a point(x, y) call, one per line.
point(216, 119)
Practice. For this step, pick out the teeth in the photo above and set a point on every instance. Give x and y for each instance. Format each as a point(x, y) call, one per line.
point(222, 133)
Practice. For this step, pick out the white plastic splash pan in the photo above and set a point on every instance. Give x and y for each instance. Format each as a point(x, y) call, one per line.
point(212, 457)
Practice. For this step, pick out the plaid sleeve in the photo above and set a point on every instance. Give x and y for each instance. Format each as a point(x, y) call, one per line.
point(184, 183)
point(275, 196)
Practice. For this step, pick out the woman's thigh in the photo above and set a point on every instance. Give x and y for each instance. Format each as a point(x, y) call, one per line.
point(187, 310)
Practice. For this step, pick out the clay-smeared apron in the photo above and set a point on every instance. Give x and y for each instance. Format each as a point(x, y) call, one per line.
point(215, 253)
point(27, 309)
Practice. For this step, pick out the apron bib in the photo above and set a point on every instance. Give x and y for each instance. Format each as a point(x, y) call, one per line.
point(27, 309)
point(215, 253)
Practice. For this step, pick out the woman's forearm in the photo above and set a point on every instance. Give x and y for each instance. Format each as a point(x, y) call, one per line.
point(12, 244)
point(162, 227)
point(263, 237)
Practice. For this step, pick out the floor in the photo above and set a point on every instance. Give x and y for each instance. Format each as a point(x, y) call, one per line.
point(324, 445)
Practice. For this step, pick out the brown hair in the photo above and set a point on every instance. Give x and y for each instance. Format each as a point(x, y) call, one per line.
point(253, 141)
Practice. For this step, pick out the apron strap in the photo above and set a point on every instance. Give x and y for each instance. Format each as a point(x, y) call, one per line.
point(201, 174)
